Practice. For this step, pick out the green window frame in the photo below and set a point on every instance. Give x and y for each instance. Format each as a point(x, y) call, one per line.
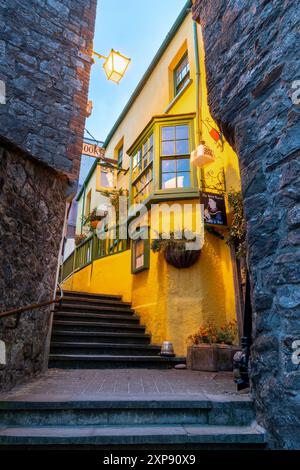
point(181, 74)
point(142, 172)
point(175, 167)
point(120, 156)
point(140, 254)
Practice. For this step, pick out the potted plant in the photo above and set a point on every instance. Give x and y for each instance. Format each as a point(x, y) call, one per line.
point(211, 348)
point(175, 249)
point(94, 218)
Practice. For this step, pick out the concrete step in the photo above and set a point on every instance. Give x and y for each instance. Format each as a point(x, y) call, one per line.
point(128, 411)
point(68, 307)
point(97, 326)
point(100, 337)
point(92, 317)
point(90, 361)
point(88, 295)
point(65, 347)
point(204, 436)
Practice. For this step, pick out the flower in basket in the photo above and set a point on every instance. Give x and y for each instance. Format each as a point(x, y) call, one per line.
point(79, 238)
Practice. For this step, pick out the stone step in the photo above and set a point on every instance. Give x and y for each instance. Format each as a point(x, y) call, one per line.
point(204, 436)
point(65, 347)
point(98, 326)
point(88, 295)
point(91, 301)
point(64, 307)
point(92, 317)
point(100, 337)
point(90, 361)
point(127, 412)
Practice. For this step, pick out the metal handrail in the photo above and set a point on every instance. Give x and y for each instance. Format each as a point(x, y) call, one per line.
point(31, 306)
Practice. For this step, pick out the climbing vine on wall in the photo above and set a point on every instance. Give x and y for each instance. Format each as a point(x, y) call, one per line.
point(236, 234)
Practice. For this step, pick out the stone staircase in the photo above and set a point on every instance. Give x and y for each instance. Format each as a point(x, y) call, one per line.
point(101, 331)
point(147, 423)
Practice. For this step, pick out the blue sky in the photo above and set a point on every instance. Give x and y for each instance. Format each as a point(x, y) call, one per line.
point(136, 28)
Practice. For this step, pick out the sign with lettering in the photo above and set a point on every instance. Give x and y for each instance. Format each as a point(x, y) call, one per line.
point(92, 150)
point(214, 208)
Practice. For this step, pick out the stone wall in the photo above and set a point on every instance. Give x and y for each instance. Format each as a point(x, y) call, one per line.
point(45, 61)
point(252, 58)
point(32, 214)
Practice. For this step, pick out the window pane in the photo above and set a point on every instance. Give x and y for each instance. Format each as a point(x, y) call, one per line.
point(183, 164)
point(182, 132)
point(151, 141)
point(168, 180)
point(168, 148)
point(168, 166)
point(151, 154)
point(182, 147)
point(183, 180)
point(168, 133)
point(145, 148)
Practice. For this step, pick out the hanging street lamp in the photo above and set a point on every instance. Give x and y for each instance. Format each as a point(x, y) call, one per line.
point(115, 65)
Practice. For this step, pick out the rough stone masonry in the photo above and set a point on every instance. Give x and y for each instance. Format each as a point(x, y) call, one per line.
point(252, 62)
point(45, 61)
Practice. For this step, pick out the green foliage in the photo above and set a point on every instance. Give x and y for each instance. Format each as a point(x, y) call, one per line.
point(237, 230)
point(176, 241)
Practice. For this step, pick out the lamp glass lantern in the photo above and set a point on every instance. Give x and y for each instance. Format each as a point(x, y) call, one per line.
point(115, 66)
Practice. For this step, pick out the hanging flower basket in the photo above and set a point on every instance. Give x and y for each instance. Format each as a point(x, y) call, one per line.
point(181, 258)
point(202, 155)
point(175, 250)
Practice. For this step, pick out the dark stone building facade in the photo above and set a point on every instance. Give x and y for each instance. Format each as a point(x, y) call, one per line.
point(45, 61)
point(252, 62)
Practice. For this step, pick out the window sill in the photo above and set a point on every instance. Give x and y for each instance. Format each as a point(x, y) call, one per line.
point(178, 96)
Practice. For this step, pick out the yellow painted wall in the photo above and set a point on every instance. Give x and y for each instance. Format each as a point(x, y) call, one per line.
point(109, 275)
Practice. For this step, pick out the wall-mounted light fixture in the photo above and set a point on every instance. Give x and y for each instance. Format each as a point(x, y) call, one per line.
point(115, 65)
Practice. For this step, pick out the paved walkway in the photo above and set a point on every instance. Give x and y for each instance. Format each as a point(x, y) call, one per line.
point(116, 384)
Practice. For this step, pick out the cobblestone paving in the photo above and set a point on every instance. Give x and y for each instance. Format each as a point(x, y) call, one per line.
point(76, 385)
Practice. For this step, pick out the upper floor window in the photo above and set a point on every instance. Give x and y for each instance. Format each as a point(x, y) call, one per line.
point(175, 157)
point(142, 172)
point(181, 74)
point(120, 156)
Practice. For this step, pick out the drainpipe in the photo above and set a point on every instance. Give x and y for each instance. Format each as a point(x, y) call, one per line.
point(199, 137)
point(198, 87)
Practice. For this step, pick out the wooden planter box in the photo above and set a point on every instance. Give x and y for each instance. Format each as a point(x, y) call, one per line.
point(211, 357)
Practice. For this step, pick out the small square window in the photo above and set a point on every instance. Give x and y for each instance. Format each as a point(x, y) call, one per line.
point(140, 255)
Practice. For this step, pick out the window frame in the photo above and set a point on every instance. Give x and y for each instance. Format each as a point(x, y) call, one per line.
point(146, 242)
point(120, 160)
point(186, 77)
point(145, 169)
point(175, 157)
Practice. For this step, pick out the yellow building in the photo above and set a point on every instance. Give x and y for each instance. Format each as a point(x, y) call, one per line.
point(165, 120)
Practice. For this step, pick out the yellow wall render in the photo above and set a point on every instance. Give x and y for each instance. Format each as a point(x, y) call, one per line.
point(109, 275)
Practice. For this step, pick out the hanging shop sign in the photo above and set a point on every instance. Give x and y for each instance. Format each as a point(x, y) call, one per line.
point(92, 150)
point(214, 208)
